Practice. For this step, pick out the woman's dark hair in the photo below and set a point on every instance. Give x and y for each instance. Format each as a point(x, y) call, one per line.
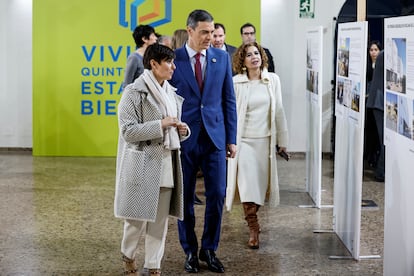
point(158, 53)
point(240, 55)
point(142, 31)
point(375, 42)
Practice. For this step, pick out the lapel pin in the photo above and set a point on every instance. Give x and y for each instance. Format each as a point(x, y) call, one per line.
point(213, 60)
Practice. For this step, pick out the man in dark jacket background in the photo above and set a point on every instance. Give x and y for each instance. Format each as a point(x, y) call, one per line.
point(248, 34)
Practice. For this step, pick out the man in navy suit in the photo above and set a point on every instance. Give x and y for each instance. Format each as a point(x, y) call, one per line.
point(209, 109)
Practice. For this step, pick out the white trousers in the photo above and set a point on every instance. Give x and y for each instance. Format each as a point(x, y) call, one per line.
point(155, 233)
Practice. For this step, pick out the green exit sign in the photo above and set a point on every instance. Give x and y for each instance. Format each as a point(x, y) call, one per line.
point(306, 8)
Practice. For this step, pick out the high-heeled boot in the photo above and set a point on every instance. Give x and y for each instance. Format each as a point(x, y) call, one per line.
point(250, 212)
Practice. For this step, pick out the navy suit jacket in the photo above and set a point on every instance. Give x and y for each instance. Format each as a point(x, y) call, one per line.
point(215, 106)
point(231, 50)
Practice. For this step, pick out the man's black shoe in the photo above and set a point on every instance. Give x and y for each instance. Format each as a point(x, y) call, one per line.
point(191, 263)
point(212, 261)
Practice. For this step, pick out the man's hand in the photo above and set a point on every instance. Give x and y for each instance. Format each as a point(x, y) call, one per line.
point(231, 151)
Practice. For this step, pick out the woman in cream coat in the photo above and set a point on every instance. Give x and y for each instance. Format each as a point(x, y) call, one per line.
point(149, 184)
point(261, 126)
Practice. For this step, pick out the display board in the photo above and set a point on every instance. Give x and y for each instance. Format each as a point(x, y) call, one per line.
point(314, 61)
point(80, 50)
point(399, 141)
point(349, 135)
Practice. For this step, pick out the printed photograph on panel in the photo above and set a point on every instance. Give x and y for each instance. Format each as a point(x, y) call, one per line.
point(312, 81)
point(356, 92)
point(315, 82)
point(412, 120)
point(348, 93)
point(396, 64)
point(309, 61)
point(340, 91)
point(404, 118)
point(391, 112)
point(343, 57)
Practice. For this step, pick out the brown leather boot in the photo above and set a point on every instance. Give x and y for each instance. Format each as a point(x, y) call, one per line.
point(250, 212)
point(130, 268)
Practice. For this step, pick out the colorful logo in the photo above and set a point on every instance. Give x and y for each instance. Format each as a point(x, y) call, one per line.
point(150, 18)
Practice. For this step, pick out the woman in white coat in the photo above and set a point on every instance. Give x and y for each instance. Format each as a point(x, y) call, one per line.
point(261, 126)
point(149, 184)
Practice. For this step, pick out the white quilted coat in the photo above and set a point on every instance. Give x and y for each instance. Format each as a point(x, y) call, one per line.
point(140, 151)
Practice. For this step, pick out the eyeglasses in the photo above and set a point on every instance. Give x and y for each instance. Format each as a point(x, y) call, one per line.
point(251, 33)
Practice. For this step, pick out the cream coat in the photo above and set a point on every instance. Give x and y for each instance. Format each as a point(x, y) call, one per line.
point(278, 128)
point(139, 158)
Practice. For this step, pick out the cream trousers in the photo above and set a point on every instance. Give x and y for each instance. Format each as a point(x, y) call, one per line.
point(155, 233)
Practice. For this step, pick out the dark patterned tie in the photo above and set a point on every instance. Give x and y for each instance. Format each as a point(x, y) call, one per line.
point(198, 72)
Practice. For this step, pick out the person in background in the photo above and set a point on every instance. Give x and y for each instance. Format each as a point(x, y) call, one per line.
point(179, 38)
point(144, 35)
point(371, 142)
point(374, 48)
point(203, 78)
point(248, 34)
point(165, 40)
point(375, 103)
point(149, 184)
point(261, 127)
point(219, 39)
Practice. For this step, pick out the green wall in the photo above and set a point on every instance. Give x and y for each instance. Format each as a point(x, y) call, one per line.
point(79, 54)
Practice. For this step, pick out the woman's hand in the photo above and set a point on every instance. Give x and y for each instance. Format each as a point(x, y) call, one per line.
point(182, 128)
point(169, 122)
point(282, 149)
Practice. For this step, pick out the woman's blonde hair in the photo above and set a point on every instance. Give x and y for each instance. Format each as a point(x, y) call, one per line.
point(240, 55)
point(179, 38)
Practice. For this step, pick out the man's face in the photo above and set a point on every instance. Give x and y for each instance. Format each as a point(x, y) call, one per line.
point(218, 38)
point(200, 37)
point(248, 35)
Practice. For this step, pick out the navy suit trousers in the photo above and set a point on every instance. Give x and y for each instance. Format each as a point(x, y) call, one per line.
point(213, 165)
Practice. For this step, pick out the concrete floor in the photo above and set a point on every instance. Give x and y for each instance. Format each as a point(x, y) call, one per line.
point(56, 218)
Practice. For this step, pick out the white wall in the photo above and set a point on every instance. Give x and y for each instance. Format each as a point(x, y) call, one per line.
point(284, 33)
point(16, 73)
